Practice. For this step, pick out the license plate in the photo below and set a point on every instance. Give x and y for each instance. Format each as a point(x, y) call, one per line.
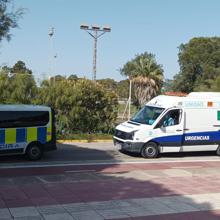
point(118, 146)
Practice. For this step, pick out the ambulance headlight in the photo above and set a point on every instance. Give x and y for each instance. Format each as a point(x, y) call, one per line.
point(132, 134)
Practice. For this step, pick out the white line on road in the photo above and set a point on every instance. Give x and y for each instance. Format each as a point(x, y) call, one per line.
point(188, 167)
point(100, 163)
point(79, 171)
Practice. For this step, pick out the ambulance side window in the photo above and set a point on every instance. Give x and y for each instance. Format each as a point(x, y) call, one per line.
point(172, 117)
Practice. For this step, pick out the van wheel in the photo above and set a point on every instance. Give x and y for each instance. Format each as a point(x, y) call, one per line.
point(150, 150)
point(34, 152)
point(218, 151)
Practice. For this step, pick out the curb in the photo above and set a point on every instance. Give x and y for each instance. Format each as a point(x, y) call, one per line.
point(85, 141)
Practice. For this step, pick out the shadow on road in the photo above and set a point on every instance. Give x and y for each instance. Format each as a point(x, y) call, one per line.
point(65, 153)
point(74, 153)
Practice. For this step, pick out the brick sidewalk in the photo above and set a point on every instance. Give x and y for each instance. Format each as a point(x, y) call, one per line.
point(137, 191)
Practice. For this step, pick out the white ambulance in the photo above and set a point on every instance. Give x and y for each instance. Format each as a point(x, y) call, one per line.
point(173, 124)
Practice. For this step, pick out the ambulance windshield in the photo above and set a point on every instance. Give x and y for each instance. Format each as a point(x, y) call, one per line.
point(147, 115)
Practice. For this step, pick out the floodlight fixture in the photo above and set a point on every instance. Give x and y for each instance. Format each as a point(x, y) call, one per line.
point(51, 32)
point(84, 26)
point(106, 28)
point(95, 27)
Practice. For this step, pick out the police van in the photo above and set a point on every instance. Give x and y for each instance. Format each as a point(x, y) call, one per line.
point(173, 124)
point(27, 129)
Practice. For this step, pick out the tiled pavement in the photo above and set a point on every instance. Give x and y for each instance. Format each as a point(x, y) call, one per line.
point(138, 191)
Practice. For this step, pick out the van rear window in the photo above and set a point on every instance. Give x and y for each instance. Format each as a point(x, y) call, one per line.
point(14, 119)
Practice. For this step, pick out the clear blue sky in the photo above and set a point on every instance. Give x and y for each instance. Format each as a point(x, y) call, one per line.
point(156, 26)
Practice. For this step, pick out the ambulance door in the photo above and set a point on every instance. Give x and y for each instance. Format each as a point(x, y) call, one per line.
point(202, 129)
point(169, 131)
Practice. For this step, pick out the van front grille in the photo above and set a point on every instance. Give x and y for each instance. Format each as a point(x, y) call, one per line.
point(123, 135)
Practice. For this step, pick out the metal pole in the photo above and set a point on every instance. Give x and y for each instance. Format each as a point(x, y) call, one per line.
point(51, 33)
point(129, 106)
point(51, 54)
point(95, 55)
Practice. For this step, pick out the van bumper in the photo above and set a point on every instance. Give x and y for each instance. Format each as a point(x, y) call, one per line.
point(134, 147)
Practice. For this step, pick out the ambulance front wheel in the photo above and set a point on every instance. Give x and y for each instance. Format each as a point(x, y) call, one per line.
point(218, 151)
point(150, 150)
point(34, 151)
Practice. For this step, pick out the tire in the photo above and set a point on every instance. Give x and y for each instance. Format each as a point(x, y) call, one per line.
point(150, 150)
point(218, 151)
point(34, 152)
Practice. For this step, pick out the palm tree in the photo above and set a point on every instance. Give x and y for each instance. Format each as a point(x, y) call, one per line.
point(146, 76)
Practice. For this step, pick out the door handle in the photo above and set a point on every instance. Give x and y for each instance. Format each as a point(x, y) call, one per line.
point(186, 129)
point(216, 125)
point(179, 130)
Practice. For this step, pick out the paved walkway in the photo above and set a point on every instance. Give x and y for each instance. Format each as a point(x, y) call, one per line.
point(147, 208)
point(184, 190)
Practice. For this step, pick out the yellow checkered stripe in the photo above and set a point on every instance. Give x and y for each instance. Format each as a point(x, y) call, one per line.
point(49, 129)
point(31, 134)
point(10, 135)
point(27, 135)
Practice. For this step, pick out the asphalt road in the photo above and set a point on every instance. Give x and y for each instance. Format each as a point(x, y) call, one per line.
point(99, 153)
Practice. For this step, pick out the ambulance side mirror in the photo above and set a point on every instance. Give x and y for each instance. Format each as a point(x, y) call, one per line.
point(159, 125)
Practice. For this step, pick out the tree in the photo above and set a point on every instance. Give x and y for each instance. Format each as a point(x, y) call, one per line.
point(58, 78)
point(20, 67)
point(108, 83)
point(5, 86)
point(5, 69)
point(199, 62)
point(95, 108)
point(23, 89)
point(17, 88)
point(146, 76)
point(81, 106)
point(123, 89)
point(167, 86)
point(73, 77)
point(216, 84)
point(8, 19)
point(57, 95)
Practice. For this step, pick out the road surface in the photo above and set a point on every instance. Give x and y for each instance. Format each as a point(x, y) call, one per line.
point(95, 181)
point(98, 153)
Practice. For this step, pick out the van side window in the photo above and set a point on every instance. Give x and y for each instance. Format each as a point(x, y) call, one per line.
point(10, 119)
point(173, 117)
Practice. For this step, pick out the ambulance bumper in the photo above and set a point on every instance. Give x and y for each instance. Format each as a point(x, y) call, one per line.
point(134, 147)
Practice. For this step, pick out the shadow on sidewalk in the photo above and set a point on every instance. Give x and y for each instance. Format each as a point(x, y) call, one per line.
point(80, 184)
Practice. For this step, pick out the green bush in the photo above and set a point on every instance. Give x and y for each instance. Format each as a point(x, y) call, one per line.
point(81, 106)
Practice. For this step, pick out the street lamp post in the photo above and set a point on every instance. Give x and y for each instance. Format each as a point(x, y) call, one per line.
point(95, 32)
point(128, 104)
point(51, 34)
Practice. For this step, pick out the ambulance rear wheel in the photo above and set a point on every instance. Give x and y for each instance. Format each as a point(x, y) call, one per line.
point(34, 152)
point(218, 151)
point(150, 150)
